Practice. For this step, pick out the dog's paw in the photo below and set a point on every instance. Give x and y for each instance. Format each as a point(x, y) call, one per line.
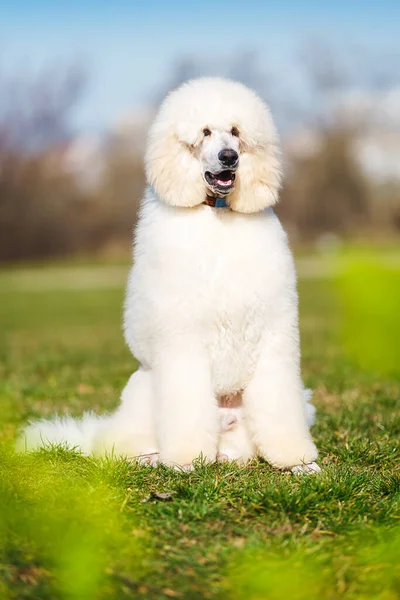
point(186, 456)
point(306, 469)
point(289, 453)
point(223, 457)
point(151, 459)
point(184, 468)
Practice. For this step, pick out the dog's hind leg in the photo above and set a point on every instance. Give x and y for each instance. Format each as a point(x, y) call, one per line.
point(234, 440)
point(130, 431)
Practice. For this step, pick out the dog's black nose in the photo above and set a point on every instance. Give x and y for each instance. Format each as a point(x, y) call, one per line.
point(228, 157)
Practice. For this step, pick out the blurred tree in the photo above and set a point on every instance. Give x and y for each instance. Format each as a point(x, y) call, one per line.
point(327, 189)
point(37, 200)
point(35, 109)
point(114, 208)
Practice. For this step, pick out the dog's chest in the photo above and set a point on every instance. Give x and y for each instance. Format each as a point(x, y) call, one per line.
point(233, 346)
point(215, 277)
point(231, 274)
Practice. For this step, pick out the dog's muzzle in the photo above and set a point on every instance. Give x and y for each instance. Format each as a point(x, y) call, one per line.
point(222, 182)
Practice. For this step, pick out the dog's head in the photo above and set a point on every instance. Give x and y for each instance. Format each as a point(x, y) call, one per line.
point(214, 136)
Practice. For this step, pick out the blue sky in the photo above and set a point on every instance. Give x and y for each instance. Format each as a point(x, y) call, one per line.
point(129, 47)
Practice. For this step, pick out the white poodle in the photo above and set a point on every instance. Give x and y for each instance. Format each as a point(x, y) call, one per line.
point(211, 305)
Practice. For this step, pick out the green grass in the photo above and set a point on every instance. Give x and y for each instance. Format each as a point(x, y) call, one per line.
point(76, 527)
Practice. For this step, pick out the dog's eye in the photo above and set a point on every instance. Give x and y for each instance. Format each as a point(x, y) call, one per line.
point(235, 131)
point(206, 132)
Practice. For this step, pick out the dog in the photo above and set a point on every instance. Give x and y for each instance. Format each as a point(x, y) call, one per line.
point(211, 308)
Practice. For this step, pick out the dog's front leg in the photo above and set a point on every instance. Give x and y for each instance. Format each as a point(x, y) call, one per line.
point(186, 408)
point(274, 404)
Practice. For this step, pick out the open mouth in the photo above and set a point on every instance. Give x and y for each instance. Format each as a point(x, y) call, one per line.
point(223, 181)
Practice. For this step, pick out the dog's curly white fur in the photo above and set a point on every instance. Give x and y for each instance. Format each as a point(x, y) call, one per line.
point(211, 304)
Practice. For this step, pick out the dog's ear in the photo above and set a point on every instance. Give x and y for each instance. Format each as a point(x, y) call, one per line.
point(258, 180)
point(173, 169)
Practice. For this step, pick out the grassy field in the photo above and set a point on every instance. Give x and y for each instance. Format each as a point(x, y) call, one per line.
point(77, 527)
